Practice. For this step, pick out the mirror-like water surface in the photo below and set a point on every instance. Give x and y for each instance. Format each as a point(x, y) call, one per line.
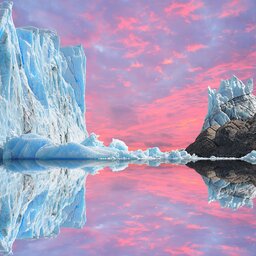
point(142, 210)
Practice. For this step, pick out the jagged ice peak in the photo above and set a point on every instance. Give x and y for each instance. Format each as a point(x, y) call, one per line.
point(233, 100)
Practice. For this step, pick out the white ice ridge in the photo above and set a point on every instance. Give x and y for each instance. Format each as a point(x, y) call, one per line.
point(37, 204)
point(233, 100)
point(42, 86)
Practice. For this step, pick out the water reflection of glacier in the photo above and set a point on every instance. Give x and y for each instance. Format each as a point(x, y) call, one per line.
point(38, 198)
point(37, 204)
point(231, 183)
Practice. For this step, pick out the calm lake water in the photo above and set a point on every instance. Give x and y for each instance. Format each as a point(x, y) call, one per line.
point(141, 210)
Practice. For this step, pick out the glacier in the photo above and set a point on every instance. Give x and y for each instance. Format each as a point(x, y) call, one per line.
point(42, 86)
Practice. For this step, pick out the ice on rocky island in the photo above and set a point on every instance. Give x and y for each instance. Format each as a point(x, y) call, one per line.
point(233, 100)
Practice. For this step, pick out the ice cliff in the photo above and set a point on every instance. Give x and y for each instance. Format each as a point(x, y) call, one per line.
point(42, 86)
point(37, 204)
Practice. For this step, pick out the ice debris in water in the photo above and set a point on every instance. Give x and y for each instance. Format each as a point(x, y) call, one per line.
point(32, 146)
point(118, 144)
point(181, 156)
point(93, 141)
point(250, 157)
point(154, 153)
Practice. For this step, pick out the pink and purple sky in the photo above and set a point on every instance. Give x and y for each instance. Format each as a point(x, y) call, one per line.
point(149, 63)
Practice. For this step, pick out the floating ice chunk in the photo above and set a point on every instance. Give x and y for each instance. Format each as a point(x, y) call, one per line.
point(180, 156)
point(92, 141)
point(250, 157)
point(140, 154)
point(75, 151)
point(24, 147)
point(154, 153)
point(118, 144)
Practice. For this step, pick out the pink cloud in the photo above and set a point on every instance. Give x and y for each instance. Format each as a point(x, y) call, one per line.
point(233, 9)
point(126, 23)
point(233, 250)
point(167, 61)
point(136, 65)
point(250, 27)
point(195, 69)
point(186, 9)
point(195, 47)
point(179, 55)
point(187, 250)
point(135, 45)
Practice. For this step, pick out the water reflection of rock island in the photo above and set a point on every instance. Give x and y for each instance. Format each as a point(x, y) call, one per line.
point(232, 183)
point(37, 204)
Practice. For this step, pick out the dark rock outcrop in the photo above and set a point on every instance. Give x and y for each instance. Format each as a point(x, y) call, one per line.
point(234, 139)
point(230, 171)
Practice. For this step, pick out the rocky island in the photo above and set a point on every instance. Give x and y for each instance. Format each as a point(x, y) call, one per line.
point(229, 129)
